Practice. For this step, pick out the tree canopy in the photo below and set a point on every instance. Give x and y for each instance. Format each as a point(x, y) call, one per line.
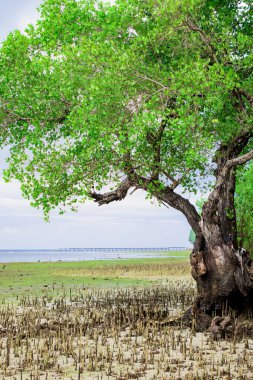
point(137, 93)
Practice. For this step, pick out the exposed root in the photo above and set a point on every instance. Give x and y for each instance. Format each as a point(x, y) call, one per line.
point(221, 327)
point(230, 328)
point(243, 329)
point(197, 321)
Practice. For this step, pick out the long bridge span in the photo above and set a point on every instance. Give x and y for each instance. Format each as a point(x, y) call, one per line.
point(133, 249)
point(101, 249)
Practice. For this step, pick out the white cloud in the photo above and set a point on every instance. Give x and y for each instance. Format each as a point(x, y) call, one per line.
point(17, 14)
point(16, 231)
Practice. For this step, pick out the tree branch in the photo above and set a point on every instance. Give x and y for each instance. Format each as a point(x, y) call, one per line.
point(16, 116)
point(240, 160)
point(203, 37)
point(175, 182)
point(233, 149)
point(246, 95)
point(157, 151)
point(240, 142)
point(222, 177)
point(181, 204)
point(116, 195)
point(58, 119)
point(166, 196)
point(144, 77)
point(156, 140)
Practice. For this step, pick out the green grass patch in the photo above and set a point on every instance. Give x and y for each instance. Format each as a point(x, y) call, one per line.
point(36, 278)
point(177, 254)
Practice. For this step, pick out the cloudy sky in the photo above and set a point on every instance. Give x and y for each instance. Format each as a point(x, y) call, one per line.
point(135, 222)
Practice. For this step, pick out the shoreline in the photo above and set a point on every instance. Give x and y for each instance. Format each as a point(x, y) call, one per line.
point(32, 257)
point(94, 260)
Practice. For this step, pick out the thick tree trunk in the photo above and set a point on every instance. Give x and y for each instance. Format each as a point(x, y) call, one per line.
point(223, 274)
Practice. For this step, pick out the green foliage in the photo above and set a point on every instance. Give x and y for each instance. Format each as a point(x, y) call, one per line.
point(84, 93)
point(192, 237)
point(244, 207)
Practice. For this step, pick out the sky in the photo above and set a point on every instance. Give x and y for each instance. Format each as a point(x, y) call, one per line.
point(133, 222)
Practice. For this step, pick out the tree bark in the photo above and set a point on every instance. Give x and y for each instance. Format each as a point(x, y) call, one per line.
point(223, 274)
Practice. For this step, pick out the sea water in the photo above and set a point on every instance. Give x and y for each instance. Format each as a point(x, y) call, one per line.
point(7, 256)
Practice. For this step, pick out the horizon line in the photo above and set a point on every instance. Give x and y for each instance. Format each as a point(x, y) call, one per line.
point(90, 248)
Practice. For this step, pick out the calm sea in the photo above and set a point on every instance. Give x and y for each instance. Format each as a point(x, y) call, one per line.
point(7, 256)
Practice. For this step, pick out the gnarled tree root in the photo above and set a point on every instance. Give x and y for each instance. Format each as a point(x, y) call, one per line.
point(219, 327)
point(231, 328)
point(196, 321)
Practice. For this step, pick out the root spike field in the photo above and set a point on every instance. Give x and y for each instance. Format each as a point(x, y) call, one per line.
point(108, 320)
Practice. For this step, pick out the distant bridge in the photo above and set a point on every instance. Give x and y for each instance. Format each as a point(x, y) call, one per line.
point(153, 249)
point(133, 249)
